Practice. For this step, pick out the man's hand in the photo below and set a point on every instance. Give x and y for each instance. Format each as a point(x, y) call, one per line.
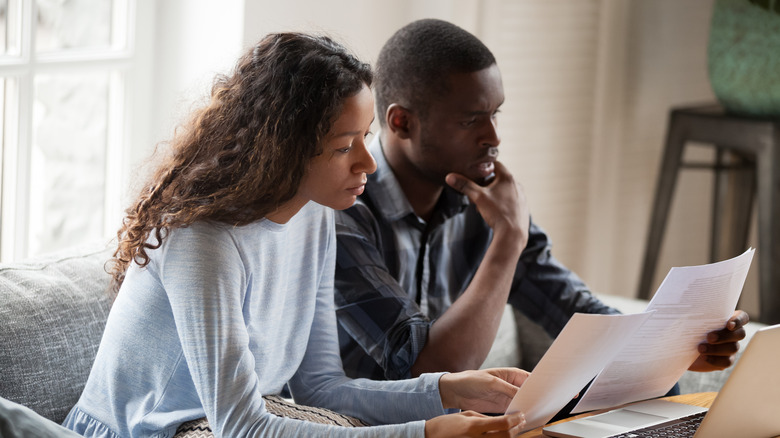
point(461, 337)
point(488, 391)
point(501, 202)
point(721, 346)
point(472, 424)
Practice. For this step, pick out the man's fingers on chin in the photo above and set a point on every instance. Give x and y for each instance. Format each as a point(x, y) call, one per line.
point(456, 182)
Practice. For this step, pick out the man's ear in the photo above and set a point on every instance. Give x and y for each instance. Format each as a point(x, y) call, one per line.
point(400, 120)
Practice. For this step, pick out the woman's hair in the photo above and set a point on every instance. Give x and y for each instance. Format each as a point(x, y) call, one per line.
point(245, 153)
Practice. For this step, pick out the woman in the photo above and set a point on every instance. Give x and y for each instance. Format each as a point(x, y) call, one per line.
point(224, 270)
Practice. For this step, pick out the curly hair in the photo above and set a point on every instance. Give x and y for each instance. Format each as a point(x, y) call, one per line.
point(244, 153)
point(412, 63)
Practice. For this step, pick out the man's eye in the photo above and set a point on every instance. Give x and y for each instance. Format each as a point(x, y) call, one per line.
point(468, 123)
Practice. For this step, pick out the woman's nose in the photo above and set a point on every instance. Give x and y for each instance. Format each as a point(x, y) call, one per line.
point(365, 162)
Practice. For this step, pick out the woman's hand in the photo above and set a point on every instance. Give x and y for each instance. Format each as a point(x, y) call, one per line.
point(488, 391)
point(472, 424)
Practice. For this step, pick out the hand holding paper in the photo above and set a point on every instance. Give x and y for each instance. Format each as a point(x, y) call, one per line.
point(637, 356)
point(691, 302)
point(717, 352)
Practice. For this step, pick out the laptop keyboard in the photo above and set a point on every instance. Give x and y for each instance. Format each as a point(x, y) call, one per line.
point(683, 427)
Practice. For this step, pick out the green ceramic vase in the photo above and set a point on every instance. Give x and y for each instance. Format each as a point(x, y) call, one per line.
point(744, 56)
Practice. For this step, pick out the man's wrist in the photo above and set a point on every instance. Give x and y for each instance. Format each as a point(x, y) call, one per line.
point(511, 239)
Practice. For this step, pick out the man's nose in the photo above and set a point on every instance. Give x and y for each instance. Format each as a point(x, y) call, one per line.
point(490, 136)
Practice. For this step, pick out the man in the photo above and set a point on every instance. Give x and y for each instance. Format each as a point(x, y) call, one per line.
point(442, 239)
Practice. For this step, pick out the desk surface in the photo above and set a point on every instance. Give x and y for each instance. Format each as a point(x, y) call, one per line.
point(703, 399)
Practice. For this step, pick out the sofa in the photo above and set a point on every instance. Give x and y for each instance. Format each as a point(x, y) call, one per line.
point(53, 311)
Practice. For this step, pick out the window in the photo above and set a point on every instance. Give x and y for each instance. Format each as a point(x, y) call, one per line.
point(65, 68)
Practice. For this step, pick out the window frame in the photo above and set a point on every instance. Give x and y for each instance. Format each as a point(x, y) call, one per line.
point(128, 69)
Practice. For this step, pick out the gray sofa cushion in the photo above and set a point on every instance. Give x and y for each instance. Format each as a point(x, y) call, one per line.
point(52, 314)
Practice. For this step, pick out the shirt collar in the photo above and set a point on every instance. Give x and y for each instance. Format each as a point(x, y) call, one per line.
point(385, 190)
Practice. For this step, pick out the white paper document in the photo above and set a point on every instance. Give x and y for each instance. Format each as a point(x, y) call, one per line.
point(633, 357)
point(691, 302)
point(579, 352)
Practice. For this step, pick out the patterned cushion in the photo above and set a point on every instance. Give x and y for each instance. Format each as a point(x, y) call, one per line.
point(278, 406)
point(52, 317)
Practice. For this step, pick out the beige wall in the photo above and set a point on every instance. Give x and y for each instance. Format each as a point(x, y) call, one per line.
point(361, 25)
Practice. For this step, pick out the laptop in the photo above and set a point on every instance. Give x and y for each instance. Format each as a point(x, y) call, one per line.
point(747, 406)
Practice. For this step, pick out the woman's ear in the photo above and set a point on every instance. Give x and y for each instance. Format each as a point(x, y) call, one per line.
point(400, 121)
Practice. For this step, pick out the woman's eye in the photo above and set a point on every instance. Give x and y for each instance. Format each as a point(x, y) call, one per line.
point(344, 150)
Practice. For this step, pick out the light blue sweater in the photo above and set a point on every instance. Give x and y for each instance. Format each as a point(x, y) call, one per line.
point(223, 315)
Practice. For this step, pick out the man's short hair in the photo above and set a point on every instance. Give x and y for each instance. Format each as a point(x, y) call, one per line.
point(415, 62)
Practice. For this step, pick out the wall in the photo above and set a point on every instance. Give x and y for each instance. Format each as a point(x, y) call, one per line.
point(363, 26)
point(194, 41)
point(190, 41)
